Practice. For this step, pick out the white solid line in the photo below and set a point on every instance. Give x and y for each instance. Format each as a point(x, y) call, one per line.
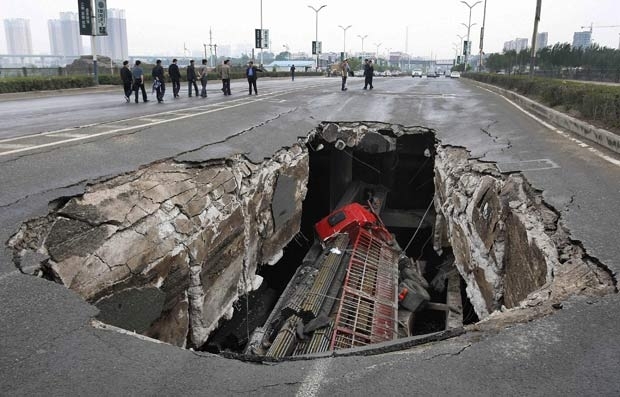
point(83, 137)
point(560, 132)
point(11, 146)
point(312, 382)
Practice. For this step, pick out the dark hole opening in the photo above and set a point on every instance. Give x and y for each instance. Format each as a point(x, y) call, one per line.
point(401, 180)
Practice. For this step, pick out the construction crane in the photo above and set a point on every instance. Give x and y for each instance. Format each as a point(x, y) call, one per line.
point(599, 27)
point(591, 27)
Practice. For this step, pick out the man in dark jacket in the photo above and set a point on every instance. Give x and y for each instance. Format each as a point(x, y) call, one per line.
point(369, 70)
point(250, 73)
point(159, 81)
point(191, 78)
point(175, 77)
point(127, 79)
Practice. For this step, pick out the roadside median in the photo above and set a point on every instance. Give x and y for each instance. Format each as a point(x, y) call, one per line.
point(588, 103)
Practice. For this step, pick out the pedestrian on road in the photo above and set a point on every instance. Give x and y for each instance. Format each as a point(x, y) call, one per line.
point(127, 79)
point(159, 81)
point(344, 71)
point(250, 73)
point(138, 81)
point(293, 73)
point(175, 77)
point(225, 73)
point(202, 74)
point(191, 78)
point(369, 71)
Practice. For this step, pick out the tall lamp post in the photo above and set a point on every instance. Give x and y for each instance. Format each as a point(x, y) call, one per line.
point(377, 53)
point(362, 37)
point(468, 30)
point(344, 42)
point(261, 35)
point(484, 20)
point(533, 50)
point(461, 43)
point(316, 33)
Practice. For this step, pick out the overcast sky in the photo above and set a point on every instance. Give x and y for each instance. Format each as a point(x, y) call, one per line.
point(163, 26)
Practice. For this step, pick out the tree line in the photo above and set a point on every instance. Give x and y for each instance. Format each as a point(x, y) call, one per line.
point(557, 58)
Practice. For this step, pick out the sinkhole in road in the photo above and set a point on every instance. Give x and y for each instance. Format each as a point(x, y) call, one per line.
point(360, 234)
point(334, 291)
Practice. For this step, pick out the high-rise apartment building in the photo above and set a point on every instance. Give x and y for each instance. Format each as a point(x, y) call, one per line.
point(114, 45)
point(517, 45)
point(542, 40)
point(582, 39)
point(65, 36)
point(18, 36)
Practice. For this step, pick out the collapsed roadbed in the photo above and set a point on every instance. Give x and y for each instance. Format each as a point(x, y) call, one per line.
point(170, 251)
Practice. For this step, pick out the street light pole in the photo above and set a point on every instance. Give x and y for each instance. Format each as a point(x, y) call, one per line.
point(205, 45)
point(362, 37)
point(460, 43)
point(344, 43)
point(484, 19)
point(468, 31)
point(316, 33)
point(262, 44)
point(533, 49)
point(377, 53)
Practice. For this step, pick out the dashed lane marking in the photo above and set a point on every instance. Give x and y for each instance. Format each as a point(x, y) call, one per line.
point(312, 382)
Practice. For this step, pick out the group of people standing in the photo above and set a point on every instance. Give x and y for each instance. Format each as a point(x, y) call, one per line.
point(133, 79)
point(369, 70)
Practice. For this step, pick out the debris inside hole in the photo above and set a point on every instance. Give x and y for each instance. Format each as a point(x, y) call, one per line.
point(362, 270)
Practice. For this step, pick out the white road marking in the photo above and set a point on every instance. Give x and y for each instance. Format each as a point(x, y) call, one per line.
point(65, 135)
point(11, 146)
point(564, 134)
point(241, 102)
point(312, 382)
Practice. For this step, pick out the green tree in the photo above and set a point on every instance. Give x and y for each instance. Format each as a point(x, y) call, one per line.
point(283, 56)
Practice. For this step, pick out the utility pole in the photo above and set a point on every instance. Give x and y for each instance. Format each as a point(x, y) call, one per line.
point(533, 50)
point(316, 34)
point(261, 34)
point(93, 45)
point(466, 51)
point(484, 19)
point(344, 42)
point(407, 46)
point(362, 37)
point(210, 47)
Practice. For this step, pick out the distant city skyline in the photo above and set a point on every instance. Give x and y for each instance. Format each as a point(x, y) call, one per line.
point(153, 27)
point(115, 44)
point(64, 35)
point(18, 36)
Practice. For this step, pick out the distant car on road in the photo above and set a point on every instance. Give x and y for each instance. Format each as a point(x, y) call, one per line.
point(455, 75)
point(416, 73)
point(431, 74)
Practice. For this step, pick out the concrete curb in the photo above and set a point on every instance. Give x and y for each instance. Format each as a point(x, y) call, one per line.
point(600, 136)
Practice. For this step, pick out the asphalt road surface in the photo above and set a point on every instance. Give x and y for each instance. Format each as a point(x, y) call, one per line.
point(53, 145)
